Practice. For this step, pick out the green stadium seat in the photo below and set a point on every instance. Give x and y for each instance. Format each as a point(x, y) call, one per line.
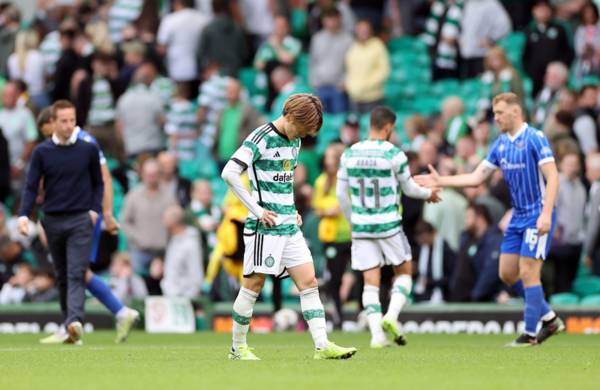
point(587, 285)
point(444, 88)
point(564, 299)
point(591, 300)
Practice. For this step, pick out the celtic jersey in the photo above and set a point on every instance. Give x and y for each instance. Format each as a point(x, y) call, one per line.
point(271, 158)
point(374, 170)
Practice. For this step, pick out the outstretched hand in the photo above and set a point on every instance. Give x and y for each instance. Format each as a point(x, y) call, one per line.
point(435, 196)
point(431, 180)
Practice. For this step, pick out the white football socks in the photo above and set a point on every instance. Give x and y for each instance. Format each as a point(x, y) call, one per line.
point(314, 314)
point(242, 313)
point(400, 292)
point(370, 299)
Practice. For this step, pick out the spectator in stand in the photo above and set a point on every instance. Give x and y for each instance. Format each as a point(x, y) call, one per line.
point(415, 127)
point(315, 15)
point(122, 14)
point(586, 126)
point(465, 156)
point(454, 119)
point(67, 63)
point(475, 277)
point(211, 100)
point(546, 41)
point(97, 95)
point(9, 27)
point(178, 38)
point(125, 284)
point(171, 182)
point(555, 80)
point(367, 69)
point(285, 85)
point(141, 217)
point(591, 244)
point(481, 134)
point(447, 217)
point(587, 42)
point(205, 215)
point(570, 216)
point(334, 230)
point(442, 35)
point(19, 129)
point(134, 53)
point(328, 49)
point(181, 125)
point(184, 271)
point(434, 267)
point(27, 64)
point(140, 116)
point(280, 49)
point(14, 291)
point(499, 77)
point(222, 41)
point(484, 23)
point(235, 122)
point(350, 130)
point(258, 20)
point(480, 195)
point(428, 155)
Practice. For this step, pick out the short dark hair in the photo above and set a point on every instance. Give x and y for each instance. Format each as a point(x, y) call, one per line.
point(331, 12)
point(481, 211)
point(585, 87)
point(381, 116)
point(44, 117)
point(61, 105)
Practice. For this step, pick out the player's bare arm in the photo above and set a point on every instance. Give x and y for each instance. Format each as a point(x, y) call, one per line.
point(473, 179)
point(544, 221)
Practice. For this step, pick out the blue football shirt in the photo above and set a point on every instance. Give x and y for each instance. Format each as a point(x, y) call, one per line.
point(87, 137)
point(520, 157)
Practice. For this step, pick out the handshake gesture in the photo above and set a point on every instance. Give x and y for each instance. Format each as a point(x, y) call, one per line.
point(431, 181)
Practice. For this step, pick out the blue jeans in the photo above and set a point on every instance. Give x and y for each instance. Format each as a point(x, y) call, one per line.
point(141, 259)
point(334, 100)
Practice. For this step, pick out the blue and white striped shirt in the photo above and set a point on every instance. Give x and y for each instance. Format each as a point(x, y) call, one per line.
point(520, 157)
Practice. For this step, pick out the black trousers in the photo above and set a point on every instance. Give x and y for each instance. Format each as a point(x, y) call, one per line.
point(565, 258)
point(70, 243)
point(336, 257)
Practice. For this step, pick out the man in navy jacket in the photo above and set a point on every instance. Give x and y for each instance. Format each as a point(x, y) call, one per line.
point(73, 189)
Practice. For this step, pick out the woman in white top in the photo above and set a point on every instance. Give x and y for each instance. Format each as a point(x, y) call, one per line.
point(27, 64)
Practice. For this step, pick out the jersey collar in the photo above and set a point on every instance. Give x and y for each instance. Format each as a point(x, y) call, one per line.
point(72, 139)
point(512, 138)
point(279, 133)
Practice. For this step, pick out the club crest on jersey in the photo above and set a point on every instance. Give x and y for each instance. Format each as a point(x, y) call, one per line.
point(287, 165)
point(501, 148)
point(269, 261)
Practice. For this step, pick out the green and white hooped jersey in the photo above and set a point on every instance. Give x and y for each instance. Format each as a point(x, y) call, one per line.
point(374, 170)
point(271, 159)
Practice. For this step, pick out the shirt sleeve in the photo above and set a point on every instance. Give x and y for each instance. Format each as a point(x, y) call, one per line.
point(400, 166)
point(492, 160)
point(542, 152)
point(163, 32)
point(251, 150)
point(342, 173)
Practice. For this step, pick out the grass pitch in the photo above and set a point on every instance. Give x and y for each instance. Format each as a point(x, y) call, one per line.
point(199, 361)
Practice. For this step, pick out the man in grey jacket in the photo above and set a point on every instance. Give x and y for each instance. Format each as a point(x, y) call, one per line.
point(326, 69)
point(183, 273)
point(591, 244)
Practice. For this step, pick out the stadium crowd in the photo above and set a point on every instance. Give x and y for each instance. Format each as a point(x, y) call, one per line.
point(171, 88)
